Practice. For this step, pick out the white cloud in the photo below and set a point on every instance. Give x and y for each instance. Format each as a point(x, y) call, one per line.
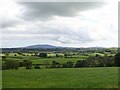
point(9, 13)
point(84, 28)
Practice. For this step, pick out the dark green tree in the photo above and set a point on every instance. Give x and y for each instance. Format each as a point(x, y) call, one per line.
point(55, 64)
point(81, 63)
point(4, 58)
point(117, 59)
point(68, 64)
point(27, 64)
point(11, 64)
point(37, 66)
point(44, 55)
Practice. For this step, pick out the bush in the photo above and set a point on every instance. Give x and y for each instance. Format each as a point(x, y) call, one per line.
point(11, 64)
point(37, 66)
point(43, 55)
point(4, 67)
point(117, 59)
point(55, 64)
point(21, 64)
point(81, 63)
point(15, 54)
point(27, 64)
point(4, 58)
point(68, 65)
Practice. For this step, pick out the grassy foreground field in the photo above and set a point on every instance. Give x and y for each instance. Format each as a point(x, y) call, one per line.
point(104, 77)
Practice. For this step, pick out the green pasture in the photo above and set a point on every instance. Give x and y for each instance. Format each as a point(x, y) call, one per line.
point(94, 54)
point(104, 77)
point(39, 60)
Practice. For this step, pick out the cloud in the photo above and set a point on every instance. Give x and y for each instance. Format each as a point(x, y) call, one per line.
point(61, 23)
point(16, 13)
point(63, 30)
point(11, 22)
point(47, 10)
point(10, 11)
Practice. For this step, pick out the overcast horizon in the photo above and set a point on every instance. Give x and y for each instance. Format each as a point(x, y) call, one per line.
point(67, 24)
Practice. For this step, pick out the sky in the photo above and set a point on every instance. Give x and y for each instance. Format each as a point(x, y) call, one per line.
point(71, 24)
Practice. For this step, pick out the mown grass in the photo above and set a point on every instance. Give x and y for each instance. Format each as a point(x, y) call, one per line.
point(104, 77)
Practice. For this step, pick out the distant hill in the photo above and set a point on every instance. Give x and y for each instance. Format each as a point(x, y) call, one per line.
point(47, 46)
point(44, 46)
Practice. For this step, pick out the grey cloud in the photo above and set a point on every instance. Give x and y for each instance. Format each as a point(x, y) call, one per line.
point(46, 10)
point(54, 31)
point(8, 23)
point(76, 39)
point(11, 22)
point(39, 37)
point(66, 28)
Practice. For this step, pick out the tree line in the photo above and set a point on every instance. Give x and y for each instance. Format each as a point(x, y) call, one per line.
point(97, 61)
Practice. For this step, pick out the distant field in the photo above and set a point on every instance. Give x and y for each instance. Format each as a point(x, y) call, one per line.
point(49, 60)
point(38, 60)
point(103, 77)
point(94, 54)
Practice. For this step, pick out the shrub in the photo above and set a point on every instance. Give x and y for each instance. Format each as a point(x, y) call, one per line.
point(21, 64)
point(11, 64)
point(68, 65)
point(4, 58)
point(27, 64)
point(4, 67)
point(55, 64)
point(43, 55)
point(117, 59)
point(37, 66)
point(81, 63)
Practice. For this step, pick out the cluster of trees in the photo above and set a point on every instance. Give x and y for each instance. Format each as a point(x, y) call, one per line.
point(10, 64)
point(14, 64)
point(96, 62)
point(45, 55)
point(90, 62)
point(59, 55)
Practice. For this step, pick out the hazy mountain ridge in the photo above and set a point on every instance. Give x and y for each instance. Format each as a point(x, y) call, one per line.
point(45, 46)
point(41, 46)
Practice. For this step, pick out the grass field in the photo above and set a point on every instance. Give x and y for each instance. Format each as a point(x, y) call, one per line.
point(104, 77)
point(49, 60)
point(38, 60)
